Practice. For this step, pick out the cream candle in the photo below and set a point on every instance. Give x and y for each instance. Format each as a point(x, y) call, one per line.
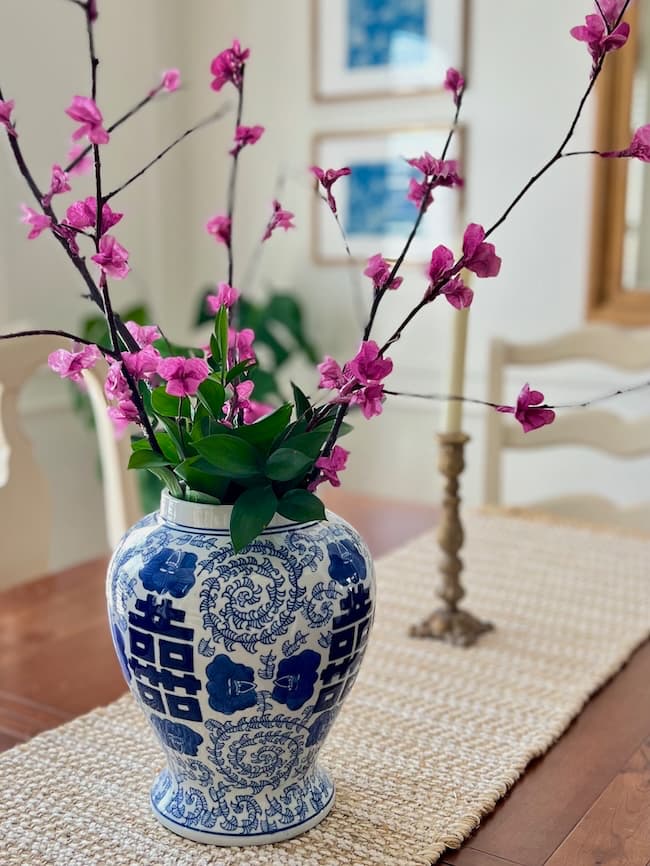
point(455, 388)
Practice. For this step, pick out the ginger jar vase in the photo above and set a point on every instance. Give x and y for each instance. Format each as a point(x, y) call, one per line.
point(240, 662)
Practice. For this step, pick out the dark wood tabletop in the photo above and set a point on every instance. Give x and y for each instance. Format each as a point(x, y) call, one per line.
point(585, 803)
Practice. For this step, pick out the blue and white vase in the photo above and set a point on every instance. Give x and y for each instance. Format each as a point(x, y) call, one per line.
point(240, 662)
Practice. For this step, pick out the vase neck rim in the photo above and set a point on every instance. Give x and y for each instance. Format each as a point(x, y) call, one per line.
point(201, 515)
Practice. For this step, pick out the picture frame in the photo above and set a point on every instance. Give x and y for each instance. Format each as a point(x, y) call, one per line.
point(372, 205)
point(381, 48)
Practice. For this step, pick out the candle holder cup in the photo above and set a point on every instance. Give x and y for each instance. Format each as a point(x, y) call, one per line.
point(449, 622)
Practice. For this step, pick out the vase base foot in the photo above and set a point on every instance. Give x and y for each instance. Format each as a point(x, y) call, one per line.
point(457, 627)
point(263, 830)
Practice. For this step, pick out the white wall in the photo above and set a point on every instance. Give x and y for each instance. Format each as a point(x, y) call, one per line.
point(526, 75)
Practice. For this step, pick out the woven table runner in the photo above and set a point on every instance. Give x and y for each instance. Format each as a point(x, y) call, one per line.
point(431, 737)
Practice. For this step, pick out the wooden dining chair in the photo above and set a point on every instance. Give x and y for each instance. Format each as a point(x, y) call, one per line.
point(592, 428)
point(25, 496)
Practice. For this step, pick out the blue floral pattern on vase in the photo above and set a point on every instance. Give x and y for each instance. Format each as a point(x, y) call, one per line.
point(241, 663)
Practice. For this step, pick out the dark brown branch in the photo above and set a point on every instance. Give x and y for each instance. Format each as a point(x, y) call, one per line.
point(56, 333)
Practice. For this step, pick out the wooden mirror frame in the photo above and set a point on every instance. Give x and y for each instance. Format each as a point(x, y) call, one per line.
point(607, 300)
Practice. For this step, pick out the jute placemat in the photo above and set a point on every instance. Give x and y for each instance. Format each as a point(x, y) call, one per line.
point(431, 738)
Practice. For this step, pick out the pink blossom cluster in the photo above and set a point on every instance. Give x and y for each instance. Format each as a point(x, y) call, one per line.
point(359, 383)
point(437, 172)
point(327, 178)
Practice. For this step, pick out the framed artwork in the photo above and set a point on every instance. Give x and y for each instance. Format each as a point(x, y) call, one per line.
point(379, 48)
point(372, 202)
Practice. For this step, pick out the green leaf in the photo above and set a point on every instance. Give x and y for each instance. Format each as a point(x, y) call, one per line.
point(220, 349)
point(239, 369)
point(196, 472)
point(168, 447)
point(251, 514)
point(166, 405)
point(174, 433)
point(214, 361)
point(145, 458)
point(301, 506)
point(212, 395)
point(308, 443)
point(230, 455)
point(303, 406)
point(169, 480)
point(263, 433)
point(286, 464)
point(203, 498)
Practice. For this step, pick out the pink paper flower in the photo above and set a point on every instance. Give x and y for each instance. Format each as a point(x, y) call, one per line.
point(58, 184)
point(83, 110)
point(70, 365)
point(457, 293)
point(226, 296)
point(122, 415)
point(369, 398)
point(256, 410)
point(68, 235)
point(83, 215)
point(171, 80)
point(39, 222)
point(439, 172)
point(331, 375)
point(611, 10)
point(379, 271)
point(599, 41)
point(240, 344)
point(112, 258)
point(479, 256)
point(330, 467)
point(85, 163)
point(528, 412)
point(639, 147)
point(142, 364)
point(115, 385)
point(240, 400)
point(6, 107)
point(219, 227)
point(229, 66)
point(454, 83)
point(441, 264)
point(368, 366)
point(246, 135)
point(327, 179)
point(183, 375)
point(420, 194)
point(281, 219)
point(144, 335)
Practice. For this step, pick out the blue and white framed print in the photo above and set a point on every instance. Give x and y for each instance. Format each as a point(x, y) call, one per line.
point(372, 204)
point(367, 48)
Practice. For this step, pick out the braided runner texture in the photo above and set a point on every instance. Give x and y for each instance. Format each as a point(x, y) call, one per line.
point(431, 737)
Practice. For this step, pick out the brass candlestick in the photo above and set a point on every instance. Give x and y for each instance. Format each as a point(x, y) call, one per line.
point(450, 623)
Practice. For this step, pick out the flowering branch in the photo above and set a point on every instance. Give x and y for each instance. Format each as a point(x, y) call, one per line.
point(56, 333)
point(232, 180)
point(205, 122)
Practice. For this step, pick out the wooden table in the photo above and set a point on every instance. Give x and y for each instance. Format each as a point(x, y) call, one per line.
point(585, 803)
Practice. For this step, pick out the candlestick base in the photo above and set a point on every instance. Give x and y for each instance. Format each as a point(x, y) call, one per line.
point(449, 623)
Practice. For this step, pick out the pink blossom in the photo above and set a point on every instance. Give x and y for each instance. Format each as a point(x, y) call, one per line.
point(246, 135)
point(240, 344)
point(83, 110)
point(6, 107)
point(327, 179)
point(83, 214)
point(454, 83)
point(39, 222)
point(369, 398)
point(171, 80)
point(143, 363)
point(528, 412)
point(115, 385)
point(379, 272)
point(599, 41)
point(479, 256)
point(144, 335)
point(331, 375)
point(439, 172)
point(70, 365)
point(219, 227)
point(68, 235)
point(256, 410)
point(229, 66)
point(226, 296)
point(112, 258)
point(441, 264)
point(420, 194)
point(183, 375)
point(611, 10)
point(85, 163)
point(281, 219)
point(330, 467)
point(58, 184)
point(122, 415)
point(240, 399)
point(457, 293)
point(639, 147)
point(368, 366)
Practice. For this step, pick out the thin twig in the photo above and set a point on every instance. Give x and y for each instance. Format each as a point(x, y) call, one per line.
point(56, 333)
point(232, 180)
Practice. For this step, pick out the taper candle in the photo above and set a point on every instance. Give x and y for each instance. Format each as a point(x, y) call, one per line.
point(457, 371)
